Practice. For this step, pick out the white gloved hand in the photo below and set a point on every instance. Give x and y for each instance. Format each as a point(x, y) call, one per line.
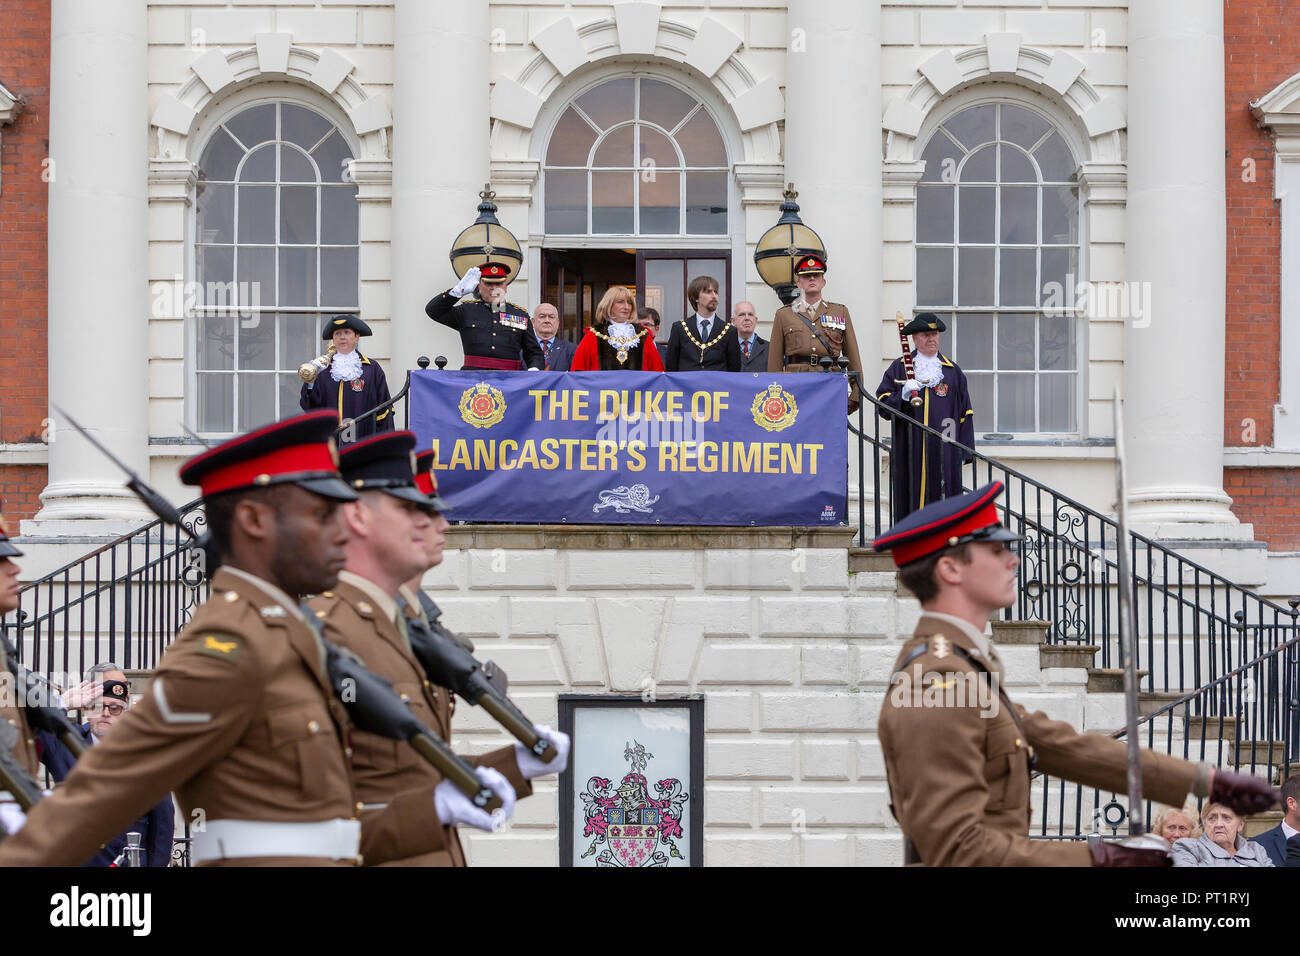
point(12, 818)
point(467, 284)
point(911, 388)
point(529, 763)
point(456, 809)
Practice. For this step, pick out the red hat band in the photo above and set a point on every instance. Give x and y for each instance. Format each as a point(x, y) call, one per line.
point(290, 460)
point(980, 518)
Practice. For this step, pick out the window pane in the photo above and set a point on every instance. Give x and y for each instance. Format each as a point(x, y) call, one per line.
point(338, 215)
point(706, 203)
point(216, 403)
point(216, 264)
point(1019, 277)
point(220, 157)
point(941, 157)
point(945, 337)
point(302, 126)
point(1016, 402)
point(257, 342)
point(259, 167)
point(975, 205)
point(1060, 214)
point(298, 277)
point(257, 270)
point(300, 339)
point(571, 141)
point(657, 148)
point(934, 277)
point(339, 288)
point(1057, 403)
point(700, 142)
point(1056, 349)
point(665, 290)
point(616, 149)
point(975, 276)
point(1021, 126)
point(215, 343)
point(934, 214)
point(216, 213)
point(566, 202)
point(1016, 167)
point(609, 103)
point(330, 156)
point(981, 167)
point(973, 126)
point(290, 388)
point(1016, 341)
point(1060, 266)
point(256, 214)
point(661, 203)
point(295, 167)
point(298, 214)
point(1019, 214)
point(1055, 160)
point(663, 104)
point(611, 202)
point(256, 400)
point(976, 334)
point(255, 125)
point(981, 400)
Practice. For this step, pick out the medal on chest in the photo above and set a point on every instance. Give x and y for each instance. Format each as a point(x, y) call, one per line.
point(835, 322)
point(516, 322)
point(357, 384)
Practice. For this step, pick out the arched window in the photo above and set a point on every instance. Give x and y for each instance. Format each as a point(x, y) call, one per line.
point(276, 251)
point(997, 254)
point(636, 156)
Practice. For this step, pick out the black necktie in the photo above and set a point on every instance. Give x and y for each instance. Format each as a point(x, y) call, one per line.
point(704, 330)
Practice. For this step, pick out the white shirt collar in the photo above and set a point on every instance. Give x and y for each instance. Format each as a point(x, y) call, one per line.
point(1287, 831)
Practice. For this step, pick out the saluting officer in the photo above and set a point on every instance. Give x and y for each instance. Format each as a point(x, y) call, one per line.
point(389, 526)
point(493, 332)
point(958, 752)
point(239, 720)
point(352, 384)
point(811, 327)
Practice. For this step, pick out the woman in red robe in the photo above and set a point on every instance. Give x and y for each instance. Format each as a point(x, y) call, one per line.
point(613, 342)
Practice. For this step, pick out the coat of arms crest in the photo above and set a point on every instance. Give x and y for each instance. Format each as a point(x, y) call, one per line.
point(774, 409)
point(630, 825)
point(482, 406)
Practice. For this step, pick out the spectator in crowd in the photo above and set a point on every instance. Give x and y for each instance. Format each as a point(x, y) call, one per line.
point(1274, 841)
point(703, 342)
point(1221, 844)
point(103, 697)
point(649, 320)
point(614, 342)
point(753, 347)
point(1174, 824)
point(556, 352)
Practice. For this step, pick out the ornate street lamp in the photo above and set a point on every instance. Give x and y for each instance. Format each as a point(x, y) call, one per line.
point(486, 240)
point(783, 245)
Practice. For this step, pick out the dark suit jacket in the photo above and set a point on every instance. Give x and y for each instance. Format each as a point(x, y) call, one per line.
point(1293, 851)
point(561, 355)
point(757, 361)
point(155, 828)
point(684, 355)
point(1275, 843)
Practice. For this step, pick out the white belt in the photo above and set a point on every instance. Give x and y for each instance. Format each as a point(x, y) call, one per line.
point(232, 839)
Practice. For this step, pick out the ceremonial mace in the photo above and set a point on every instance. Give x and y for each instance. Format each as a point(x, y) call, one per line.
point(907, 359)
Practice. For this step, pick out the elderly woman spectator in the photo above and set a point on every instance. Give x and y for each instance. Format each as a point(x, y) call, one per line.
point(1174, 824)
point(1221, 844)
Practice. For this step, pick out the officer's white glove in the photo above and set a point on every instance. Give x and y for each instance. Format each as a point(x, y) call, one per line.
point(529, 764)
point(911, 388)
point(467, 284)
point(12, 818)
point(456, 809)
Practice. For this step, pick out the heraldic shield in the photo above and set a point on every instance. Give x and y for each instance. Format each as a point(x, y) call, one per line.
point(632, 826)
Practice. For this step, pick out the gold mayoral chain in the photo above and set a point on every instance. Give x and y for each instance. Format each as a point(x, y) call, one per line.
point(686, 327)
point(622, 344)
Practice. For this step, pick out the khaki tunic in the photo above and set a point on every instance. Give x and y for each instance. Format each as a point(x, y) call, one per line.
point(389, 773)
point(959, 778)
point(790, 336)
point(239, 722)
point(25, 747)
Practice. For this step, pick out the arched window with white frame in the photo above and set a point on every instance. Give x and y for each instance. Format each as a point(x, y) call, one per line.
point(276, 252)
point(997, 256)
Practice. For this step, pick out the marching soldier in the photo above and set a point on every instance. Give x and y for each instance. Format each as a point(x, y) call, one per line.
point(11, 710)
point(391, 526)
point(958, 752)
point(351, 384)
point(493, 332)
point(418, 602)
point(239, 720)
point(810, 327)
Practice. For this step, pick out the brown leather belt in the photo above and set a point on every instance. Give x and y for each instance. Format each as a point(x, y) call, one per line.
point(803, 359)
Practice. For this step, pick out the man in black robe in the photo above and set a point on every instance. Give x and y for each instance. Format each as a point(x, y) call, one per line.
point(925, 467)
point(351, 384)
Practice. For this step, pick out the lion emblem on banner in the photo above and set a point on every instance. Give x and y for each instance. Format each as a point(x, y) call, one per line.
point(625, 500)
point(482, 405)
point(631, 826)
point(774, 409)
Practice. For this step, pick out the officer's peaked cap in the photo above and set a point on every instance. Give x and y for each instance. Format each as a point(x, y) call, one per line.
point(945, 524)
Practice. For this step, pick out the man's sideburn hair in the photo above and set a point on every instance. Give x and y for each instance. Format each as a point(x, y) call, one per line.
point(918, 576)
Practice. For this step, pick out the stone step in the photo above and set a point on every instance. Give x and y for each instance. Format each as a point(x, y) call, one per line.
point(1150, 701)
point(1213, 728)
point(865, 559)
point(1108, 680)
point(1068, 655)
point(1019, 632)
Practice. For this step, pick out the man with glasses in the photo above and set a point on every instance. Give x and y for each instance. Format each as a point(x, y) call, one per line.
point(648, 319)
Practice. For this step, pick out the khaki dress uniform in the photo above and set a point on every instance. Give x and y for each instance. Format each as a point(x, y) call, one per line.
point(239, 721)
point(792, 338)
point(391, 778)
point(25, 746)
point(959, 778)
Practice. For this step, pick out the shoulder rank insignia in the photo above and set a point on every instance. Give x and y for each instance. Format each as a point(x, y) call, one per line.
point(274, 610)
point(937, 684)
point(939, 647)
point(226, 645)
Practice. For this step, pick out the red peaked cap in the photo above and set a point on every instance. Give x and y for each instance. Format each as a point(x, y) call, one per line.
point(425, 481)
point(298, 450)
point(810, 265)
point(946, 524)
point(493, 272)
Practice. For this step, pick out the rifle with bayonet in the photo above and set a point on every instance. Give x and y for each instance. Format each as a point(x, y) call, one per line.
point(13, 775)
point(370, 700)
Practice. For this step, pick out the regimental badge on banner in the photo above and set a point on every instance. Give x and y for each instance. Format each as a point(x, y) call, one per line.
point(516, 322)
point(835, 322)
point(482, 405)
point(774, 409)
